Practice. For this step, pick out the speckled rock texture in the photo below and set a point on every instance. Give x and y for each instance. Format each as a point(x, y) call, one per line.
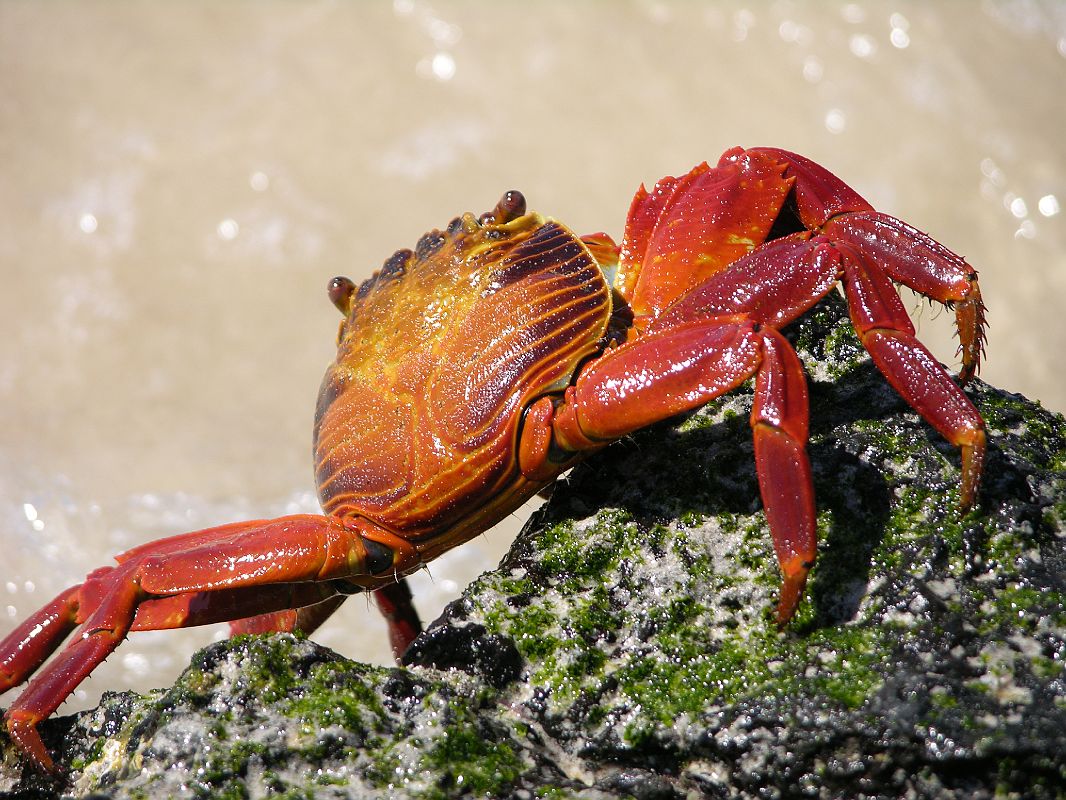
point(626, 646)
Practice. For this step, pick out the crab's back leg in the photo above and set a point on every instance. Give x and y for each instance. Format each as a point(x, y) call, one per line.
point(908, 256)
point(888, 335)
point(779, 426)
point(393, 600)
point(921, 263)
point(293, 616)
point(273, 557)
point(24, 649)
point(395, 604)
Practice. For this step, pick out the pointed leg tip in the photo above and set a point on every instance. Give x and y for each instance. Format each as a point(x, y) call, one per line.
point(966, 501)
point(973, 462)
point(23, 731)
point(791, 593)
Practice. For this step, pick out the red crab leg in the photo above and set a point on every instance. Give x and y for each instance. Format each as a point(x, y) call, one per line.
point(921, 263)
point(191, 609)
point(779, 416)
point(827, 204)
point(393, 601)
point(291, 549)
point(683, 367)
point(888, 335)
point(306, 618)
point(403, 622)
point(773, 286)
point(26, 648)
point(655, 377)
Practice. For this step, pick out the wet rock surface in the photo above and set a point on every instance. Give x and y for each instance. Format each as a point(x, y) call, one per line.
point(626, 646)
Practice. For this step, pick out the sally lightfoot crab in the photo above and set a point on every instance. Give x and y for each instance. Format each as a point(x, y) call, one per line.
point(474, 370)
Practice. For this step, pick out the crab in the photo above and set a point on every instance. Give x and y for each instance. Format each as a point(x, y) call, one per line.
point(474, 370)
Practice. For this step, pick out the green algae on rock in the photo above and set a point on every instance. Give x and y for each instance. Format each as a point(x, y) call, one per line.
point(626, 646)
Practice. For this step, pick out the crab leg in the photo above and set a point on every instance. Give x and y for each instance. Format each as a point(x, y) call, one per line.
point(191, 609)
point(828, 205)
point(888, 335)
point(921, 263)
point(683, 367)
point(27, 647)
point(400, 616)
point(655, 377)
point(24, 649)
point(779, 417)
point(393, 601)
point(293, 616)
point(233, 560)
point(395, 604)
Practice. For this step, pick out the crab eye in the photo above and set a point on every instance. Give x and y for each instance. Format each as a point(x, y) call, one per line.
point(511, 205)
point(340, 293)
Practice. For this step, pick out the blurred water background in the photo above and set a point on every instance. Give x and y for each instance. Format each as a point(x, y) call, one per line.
point(181, 181)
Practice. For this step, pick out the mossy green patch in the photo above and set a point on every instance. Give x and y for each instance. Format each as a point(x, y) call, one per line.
point(468, 763)
point(469, 758)
point(339, 693)
point(572, 556)
point(226, 763)
point(690, 674)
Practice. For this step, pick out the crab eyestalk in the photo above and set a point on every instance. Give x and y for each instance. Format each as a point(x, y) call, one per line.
point(511, 206)
point(340, 291)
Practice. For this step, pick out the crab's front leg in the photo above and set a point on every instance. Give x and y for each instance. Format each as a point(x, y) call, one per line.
point(219, 574)
point(681, 368)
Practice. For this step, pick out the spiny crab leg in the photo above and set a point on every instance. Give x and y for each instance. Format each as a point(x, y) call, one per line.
point(919, 262)
point(888, 335)
point(223, 573)
point(907, 255)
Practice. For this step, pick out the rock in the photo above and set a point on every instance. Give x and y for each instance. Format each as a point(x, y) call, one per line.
point(626, 645)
